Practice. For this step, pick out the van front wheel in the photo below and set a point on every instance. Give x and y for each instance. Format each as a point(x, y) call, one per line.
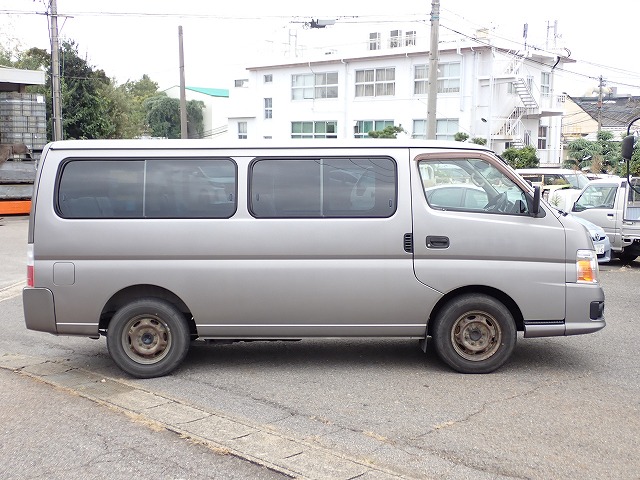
point(148, 338)
point(474, 334)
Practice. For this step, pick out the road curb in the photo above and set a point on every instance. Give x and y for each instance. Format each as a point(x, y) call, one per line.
point(256, 443)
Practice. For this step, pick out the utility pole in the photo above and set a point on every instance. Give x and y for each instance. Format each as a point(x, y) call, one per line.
point(600, 85)
point(183, 98)
point(433, 70)
point(55, 73)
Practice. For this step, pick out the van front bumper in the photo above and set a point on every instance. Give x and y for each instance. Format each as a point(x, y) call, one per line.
point(39, 310)
point(584, 314)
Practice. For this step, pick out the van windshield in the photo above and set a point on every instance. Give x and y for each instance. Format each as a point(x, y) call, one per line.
point(579, 180)
point(596, 196)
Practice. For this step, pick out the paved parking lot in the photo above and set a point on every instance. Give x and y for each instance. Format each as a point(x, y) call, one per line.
point(561, 408)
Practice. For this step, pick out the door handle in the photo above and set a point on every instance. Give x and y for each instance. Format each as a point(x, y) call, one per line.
point(435, 241)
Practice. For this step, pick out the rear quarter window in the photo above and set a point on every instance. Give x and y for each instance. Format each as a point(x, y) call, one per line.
point(156, 188)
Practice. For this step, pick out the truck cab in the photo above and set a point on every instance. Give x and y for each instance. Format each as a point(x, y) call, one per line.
point(613, 205)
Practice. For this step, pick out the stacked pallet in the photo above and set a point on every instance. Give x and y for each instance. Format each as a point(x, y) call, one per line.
point(16, 186)
point(22, 122)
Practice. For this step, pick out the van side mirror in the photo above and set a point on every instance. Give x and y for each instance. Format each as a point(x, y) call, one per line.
point(535, 207)
point(627, 147)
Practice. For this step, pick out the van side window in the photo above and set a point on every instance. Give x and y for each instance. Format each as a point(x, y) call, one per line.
point(175, 188)
point(323, 187)
point(470, 185)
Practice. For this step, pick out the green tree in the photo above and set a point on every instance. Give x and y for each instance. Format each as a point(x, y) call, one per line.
point(195, 119)
point(524, 157)
point(136, 93)
point(634, 165)
point(85, 113)
point(163, 117)
point(479, 140)
point(390, 131)
point(600, 156)
point(92, 105)
point(461, 137)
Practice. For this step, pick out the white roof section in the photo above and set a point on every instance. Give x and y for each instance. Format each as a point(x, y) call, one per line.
point(21, 77)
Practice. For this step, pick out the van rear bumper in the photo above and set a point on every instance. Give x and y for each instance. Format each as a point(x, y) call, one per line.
point(39, 310)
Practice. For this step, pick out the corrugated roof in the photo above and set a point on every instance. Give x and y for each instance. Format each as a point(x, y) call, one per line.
point(214, 92)
point(616, 111)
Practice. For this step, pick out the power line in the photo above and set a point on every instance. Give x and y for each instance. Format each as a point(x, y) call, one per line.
point(360, 19)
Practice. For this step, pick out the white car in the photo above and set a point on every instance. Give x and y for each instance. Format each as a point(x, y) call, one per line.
point(600, 239)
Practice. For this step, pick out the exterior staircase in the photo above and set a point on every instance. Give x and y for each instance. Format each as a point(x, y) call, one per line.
point(513, 127)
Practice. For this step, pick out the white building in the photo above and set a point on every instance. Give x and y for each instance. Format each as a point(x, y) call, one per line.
point(503, 96)
point(215, 110)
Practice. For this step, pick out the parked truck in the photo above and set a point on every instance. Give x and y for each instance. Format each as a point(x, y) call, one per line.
point(614, 204)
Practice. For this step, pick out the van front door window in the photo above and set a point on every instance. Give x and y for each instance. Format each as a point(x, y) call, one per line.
point(468, 184)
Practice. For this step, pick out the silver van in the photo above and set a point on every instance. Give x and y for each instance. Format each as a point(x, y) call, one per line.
point(154, 244)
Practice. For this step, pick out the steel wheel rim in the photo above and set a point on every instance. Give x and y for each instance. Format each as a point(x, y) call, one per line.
point(476, 336)
point(146, 339)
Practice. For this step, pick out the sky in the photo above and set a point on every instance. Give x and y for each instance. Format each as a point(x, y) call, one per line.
point(130, 38)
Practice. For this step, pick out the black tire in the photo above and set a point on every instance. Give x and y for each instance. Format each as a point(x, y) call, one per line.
point(474, 333)
point(148, 338)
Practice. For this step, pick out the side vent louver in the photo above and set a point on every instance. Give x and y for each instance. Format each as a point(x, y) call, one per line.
point(408, 243)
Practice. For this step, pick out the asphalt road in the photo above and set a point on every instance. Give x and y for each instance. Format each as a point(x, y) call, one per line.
point(562, 408)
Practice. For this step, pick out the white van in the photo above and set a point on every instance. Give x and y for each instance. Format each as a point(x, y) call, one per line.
point(154, 244)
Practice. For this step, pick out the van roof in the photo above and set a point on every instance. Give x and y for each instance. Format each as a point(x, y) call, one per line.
point(260, 144)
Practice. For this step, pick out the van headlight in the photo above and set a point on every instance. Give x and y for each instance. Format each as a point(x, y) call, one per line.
point(587, 266)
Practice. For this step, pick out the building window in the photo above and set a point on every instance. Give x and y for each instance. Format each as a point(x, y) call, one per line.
point(543, 132)
point(446, 128)
point(311, 86)
point(395, 39)
point(326, 85)
point(449, 77)
point(363, 127)
point(410, 38)
point(242, 130)
point(374, 41)
point(241, 83)
point(268, 108)
point(268, 78)
point(545, 83)
point(420, 80)
point(419, 129)
point(314, 129)
point(375, 82)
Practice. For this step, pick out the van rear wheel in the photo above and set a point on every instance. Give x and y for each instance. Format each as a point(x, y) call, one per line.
point(148, 338)
point(474, 333)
